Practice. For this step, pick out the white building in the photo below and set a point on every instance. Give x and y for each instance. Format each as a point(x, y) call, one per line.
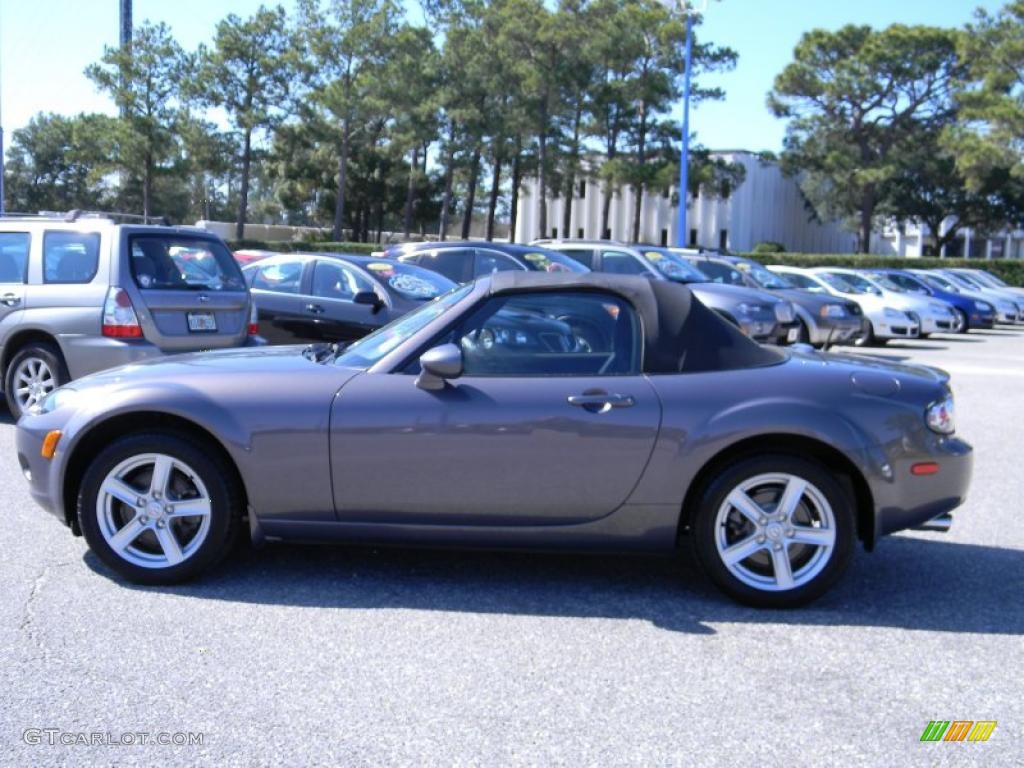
point(767, 206)
point(912, 240)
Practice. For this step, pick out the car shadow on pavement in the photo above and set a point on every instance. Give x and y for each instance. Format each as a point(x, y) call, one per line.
point(910, 582)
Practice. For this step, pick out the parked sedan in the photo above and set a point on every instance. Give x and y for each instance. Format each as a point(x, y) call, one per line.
point(969, 283)
point(989, 280)
point(971, 313)
point(1005, 308)
point(823, 320)
point(417, 433)
point(334, 297)
point(462, 261)
point(759, 315)
point(882, 321)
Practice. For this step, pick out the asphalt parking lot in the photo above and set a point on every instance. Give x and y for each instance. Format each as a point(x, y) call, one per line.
point(344, 656)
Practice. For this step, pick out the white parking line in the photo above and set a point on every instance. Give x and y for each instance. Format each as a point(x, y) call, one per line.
point(972, 370)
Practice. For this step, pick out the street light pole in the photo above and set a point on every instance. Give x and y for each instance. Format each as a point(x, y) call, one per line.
point(2, 209)
point(684, 156)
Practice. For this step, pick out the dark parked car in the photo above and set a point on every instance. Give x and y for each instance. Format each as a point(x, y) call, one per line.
point(335, 297)
point(972, 313)
point(462, 261)
point(761, 316)
point(655, 441)
point(823, 319)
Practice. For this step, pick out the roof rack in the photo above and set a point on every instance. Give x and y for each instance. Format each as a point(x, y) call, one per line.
point(76, 214)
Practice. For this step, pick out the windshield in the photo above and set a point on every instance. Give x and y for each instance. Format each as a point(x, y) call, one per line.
point(970, 281)
point(989, 278)
point(673, 266)
point(938, 281)
point(958, 280)
point(369, 349)
point(767, 280)
point(176, 262)
point(543, 260)
point(862, 284)
point(838, 283)
point(408, 281)
point(888, 284)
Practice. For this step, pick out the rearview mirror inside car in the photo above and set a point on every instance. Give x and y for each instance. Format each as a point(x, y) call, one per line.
point(439, 364)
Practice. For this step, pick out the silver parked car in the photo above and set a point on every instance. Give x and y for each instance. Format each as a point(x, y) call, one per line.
point(80, 293)
point(474, 420)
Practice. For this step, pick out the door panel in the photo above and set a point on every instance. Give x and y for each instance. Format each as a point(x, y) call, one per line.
point(489, 450)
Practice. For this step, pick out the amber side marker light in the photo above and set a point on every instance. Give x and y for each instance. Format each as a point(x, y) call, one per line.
point(50, 444)
point(926, 468)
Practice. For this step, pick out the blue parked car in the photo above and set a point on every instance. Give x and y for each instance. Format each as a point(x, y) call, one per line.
point(973, 313)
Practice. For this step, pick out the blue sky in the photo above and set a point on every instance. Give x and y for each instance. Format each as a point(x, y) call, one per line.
point(45, 45)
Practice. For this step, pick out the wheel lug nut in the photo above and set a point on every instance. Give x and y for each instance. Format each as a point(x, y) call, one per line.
point(760, 539)
point(763, 520)
point(168, 509)
point(144, 519)
point(777, 547)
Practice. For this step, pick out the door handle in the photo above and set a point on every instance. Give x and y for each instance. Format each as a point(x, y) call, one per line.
point(10, 300)
point(316, 309)
point(601, 402)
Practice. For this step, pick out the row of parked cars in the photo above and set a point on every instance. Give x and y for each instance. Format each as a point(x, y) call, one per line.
point(83, 292)
point(337, 297)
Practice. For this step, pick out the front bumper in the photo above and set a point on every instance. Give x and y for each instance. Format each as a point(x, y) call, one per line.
point(898, 329)
point(41, 473)
point(840, 330)
point(937, 323)
point(908, 501)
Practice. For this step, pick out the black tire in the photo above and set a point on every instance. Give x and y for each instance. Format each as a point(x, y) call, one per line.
point(965, 324)
point(803, 334)
point(43, 351)
point(212, 471)
point(713, 495)
point(868, 339)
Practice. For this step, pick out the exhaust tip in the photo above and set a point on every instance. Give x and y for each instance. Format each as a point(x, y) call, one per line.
point(939, 524)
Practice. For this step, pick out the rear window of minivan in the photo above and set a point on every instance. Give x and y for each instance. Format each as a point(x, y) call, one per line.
point(182, 263)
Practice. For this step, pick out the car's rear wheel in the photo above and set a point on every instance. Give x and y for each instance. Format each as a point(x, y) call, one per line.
point(774, 531)
point(35, 371)
point(159, 508)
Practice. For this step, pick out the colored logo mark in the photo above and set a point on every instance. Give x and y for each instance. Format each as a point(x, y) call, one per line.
point(958, 730)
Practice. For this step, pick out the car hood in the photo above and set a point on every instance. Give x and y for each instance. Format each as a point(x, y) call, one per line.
point(243, 367)
point(806, 298)
point(731, 292)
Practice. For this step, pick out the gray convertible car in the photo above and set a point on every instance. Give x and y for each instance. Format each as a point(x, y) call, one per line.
point(478, 420)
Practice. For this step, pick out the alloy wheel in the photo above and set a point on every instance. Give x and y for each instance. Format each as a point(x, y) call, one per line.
point(33, 381)
point(775, 532)
point(153, 510)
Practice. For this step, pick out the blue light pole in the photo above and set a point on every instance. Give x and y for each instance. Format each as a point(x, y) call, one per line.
point(684, 156)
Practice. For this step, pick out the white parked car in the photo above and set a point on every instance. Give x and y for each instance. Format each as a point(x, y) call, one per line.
point(884, 321)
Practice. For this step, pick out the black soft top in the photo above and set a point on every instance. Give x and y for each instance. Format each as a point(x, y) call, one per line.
point(681, 335)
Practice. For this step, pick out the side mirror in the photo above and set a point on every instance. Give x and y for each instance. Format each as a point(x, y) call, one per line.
point(438, 365)
point(370, 299)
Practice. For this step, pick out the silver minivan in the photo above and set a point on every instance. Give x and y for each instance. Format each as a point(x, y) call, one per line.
point(80, 293)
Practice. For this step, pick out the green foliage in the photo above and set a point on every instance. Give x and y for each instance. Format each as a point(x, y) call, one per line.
point(1010, 270)
point(769, 246)
point(857, 99)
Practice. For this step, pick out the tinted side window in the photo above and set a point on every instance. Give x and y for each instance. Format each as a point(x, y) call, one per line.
point(804, 282)
point(454, 263)
point(337, 281)
point(551, 334)
point(489, 262)
point(619, 263)
point(70, 257)
point(13, 256)
point(283, 277)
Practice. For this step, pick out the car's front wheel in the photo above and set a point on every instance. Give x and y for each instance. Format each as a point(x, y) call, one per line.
point(158, 508)
point(774, 531)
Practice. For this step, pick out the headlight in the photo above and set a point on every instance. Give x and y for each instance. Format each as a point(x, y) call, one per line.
point(58, 398)
point(784, 312)
point(893, 313)
point(914, 317)
point(832, 310)
point(983, 306)
point(939, 416)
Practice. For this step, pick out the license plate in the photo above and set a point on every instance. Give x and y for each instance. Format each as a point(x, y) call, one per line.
point(202, 322)
point(793, 335)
